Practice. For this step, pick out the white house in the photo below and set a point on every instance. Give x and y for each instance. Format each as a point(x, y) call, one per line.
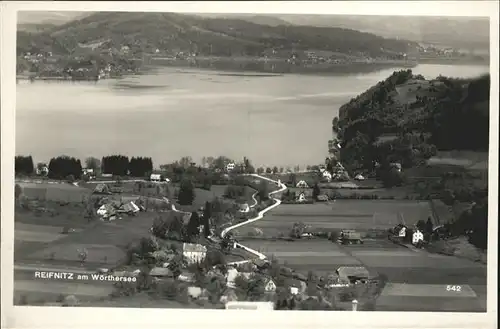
point(270, 286)
point(88, 171)
point(359, 177)
point(244, 207)
point(327, 175)
point(302, 184)
point(396, 165)
point(301, 198)
point(42, 170)
point(230, 166)
point(196, 292)
point(155, 178)
point(417, 237)
point(194, 252)
point(232, 273)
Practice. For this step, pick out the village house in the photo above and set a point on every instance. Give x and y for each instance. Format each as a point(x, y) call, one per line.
point(244, 208)
point(230, 166)
point(396, 165)
point(417, 237)
point(42, 170)
point(156, 177)
point(301, 197)
point(90, 172)
point(352, 273)
point(186, 277)
point(194, 253)
point(302, 184)
point(160, 272)
point(270, 286)
point(233, 273)
point(327, 175)
point(197, 293)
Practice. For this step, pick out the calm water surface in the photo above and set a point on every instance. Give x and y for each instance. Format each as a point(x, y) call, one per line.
point(170, 113)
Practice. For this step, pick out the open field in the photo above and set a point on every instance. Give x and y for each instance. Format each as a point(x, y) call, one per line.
point(55, 192)
point(421, 277)
point(59, 215)
point(362, 215)
point(105, 242)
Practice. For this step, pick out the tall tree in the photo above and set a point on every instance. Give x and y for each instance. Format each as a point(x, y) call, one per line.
point(24, 165)
point(207, 214)
point(186, 193)
point(193, 225)
point(316, 191)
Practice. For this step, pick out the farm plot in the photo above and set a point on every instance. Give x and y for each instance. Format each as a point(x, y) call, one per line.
point(320, 256)
point(420, 282)
point(361, 215)
point(105, 243)
point(55, 192)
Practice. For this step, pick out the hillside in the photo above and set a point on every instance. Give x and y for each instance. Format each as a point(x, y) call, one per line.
point(207, 36)
point(406, 119)
point(422, 116)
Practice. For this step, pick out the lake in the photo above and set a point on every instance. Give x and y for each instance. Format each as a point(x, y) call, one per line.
point(282, 120)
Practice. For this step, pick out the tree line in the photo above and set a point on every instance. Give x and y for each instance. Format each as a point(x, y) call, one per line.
point(24, 165)
point(61, 167)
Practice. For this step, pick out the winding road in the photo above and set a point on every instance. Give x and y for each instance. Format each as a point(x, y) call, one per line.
point(259, 216)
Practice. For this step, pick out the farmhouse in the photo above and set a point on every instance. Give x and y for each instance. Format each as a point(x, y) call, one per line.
point(160, 272)
point(42, 170)
point(197, 292)
point(359, 177)
point(194, 253)
point(156, 178)
point(352, 273)
point(233, 273)
point(417, 237)
point(327, 175)
point(230, 166)
point(244, 207)
point(302, 184)
point(89, 172)
point(270, 286)
point(186, 277)
point(396, 165)
point(302, 197)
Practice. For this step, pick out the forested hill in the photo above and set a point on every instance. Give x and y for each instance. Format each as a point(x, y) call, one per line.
point(407, 118)
point(207, 36)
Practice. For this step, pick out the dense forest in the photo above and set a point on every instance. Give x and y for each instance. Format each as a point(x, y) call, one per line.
point(207, 36)
point(422, 116)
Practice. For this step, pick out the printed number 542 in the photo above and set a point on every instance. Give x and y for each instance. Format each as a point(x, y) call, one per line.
point(453, 288)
